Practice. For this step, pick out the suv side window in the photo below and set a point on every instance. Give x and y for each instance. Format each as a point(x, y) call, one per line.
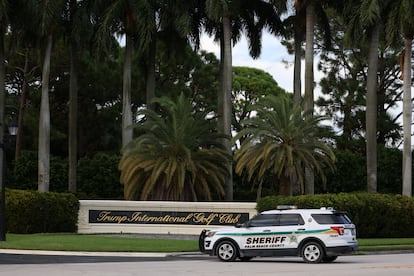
point(335, 218)
point(291, 219)
point(263, 220)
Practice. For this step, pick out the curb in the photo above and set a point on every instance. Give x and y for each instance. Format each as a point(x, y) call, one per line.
point(154, 254)
point(81, 253)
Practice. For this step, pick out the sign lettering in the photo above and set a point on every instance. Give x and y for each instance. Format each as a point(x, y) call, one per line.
point(161, 217)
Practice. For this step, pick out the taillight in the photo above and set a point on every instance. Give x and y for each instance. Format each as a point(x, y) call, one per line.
point(339, 229)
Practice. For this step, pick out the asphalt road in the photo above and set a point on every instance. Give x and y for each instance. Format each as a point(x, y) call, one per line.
point(196, 264)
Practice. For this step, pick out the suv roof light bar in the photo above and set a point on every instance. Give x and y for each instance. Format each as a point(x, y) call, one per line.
point(286, 207)
point(328, 208)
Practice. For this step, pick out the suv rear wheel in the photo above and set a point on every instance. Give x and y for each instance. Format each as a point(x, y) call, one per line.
point(312, 252)
point(227, 251)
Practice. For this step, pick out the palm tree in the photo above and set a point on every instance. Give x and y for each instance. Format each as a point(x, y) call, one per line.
point(314, 13)
point(309, 78)
point(296, 24)
point(284, 142)
point(177, 156)
point(3, 27)
point(79, 33)
point(400, 24)
point(139, 22)
point(49, 13)
point(122, 16)
point(228, 20)
point(364, 20)
point(371, 111)
point(4, 8)
point(309, 13)
point(177, 24)
point(407, 113)
point(219, 11)
point(309, 55)
point(73, 96)
point(23, 33)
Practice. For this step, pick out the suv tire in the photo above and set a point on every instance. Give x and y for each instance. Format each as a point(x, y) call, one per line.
point(227, 251)
point(312, 252)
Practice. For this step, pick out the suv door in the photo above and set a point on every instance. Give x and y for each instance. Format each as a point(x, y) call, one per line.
point(258, 232)
point(290, 226)
point(271, 232)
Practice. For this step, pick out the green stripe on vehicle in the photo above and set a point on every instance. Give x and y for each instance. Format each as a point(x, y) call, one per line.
point(273, 233)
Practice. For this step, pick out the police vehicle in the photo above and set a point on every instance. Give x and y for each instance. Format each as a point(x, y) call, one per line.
point(316, 235)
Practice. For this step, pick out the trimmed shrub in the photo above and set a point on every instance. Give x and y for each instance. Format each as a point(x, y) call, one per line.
point(35, 212)
point(25, 175)
point(98, 177)
point(349, 176)
point(375, 215)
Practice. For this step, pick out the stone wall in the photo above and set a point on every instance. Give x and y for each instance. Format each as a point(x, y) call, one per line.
point(159, 217)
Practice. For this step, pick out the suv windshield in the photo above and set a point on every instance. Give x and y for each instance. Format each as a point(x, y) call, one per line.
point(335, 218)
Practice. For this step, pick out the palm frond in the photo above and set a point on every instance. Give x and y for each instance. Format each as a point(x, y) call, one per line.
point(281, 140)
point(177, 151)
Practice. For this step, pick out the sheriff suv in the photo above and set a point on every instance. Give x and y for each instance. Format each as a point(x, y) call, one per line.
point(316, 235)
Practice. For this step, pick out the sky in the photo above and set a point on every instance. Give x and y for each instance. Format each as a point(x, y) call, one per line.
point(274, 59)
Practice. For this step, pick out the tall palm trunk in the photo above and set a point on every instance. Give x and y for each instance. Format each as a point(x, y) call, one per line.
point(126, 95)
point(73, 119)
point(22, 105)
point(126, 99)
point(371, 111)
point(44, 123)
point(224, 100)
point(309, 102)
point(150, 77)
point(407, 105)
point(309, 55)
point(284, 185)
point(297, 93)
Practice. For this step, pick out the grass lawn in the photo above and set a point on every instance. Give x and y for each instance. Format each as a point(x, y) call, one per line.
point(95, 243)
point(98, 243)
point(386, 244)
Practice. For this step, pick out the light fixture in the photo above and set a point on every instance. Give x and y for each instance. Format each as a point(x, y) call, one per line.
point(13, 129)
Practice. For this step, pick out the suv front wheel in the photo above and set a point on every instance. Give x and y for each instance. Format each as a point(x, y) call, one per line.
point(312, 252)
point(227, 251)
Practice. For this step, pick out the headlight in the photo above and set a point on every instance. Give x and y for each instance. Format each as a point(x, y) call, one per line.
point(210, 234)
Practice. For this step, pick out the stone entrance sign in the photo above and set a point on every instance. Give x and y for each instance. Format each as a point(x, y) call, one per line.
point(159, 217)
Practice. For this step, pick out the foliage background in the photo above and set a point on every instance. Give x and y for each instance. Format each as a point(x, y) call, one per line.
point(375, 215)
point(98, 176)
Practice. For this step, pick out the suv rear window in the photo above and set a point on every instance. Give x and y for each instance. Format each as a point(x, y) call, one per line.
point(336, 218)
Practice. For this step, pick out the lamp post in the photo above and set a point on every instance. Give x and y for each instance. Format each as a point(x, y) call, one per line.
point(13, 129)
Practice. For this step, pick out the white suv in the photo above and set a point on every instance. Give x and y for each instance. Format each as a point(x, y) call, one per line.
point(317, 235)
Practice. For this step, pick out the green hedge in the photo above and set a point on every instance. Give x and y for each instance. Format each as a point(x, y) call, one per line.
point(35, 212)
point(375, 215)
point(97, 176)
